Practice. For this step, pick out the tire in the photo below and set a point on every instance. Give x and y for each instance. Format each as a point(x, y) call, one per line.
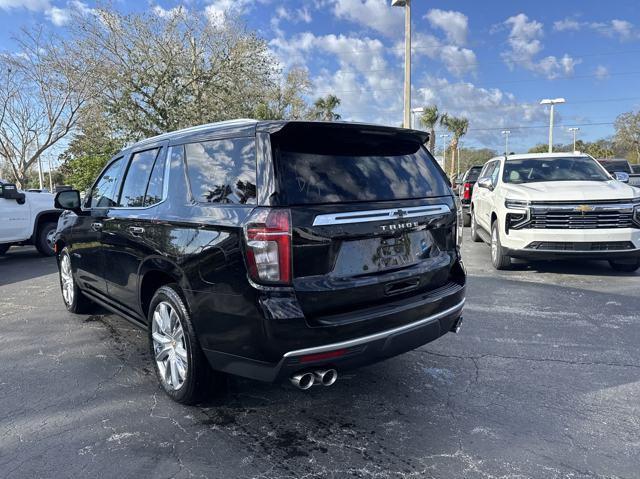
point(180, 365)
point(499, 260)
point(466, 219)
point(74, 300)
point(625, 267)
point(4, 248)
point(475, 237)
point(44, 240)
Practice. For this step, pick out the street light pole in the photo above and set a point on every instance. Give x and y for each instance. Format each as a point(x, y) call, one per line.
point(552, 103)
point(506, 134)
point(574, 130)
point(407, 59)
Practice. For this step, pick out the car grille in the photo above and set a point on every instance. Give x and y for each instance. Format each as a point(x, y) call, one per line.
point(580, 246)
point(575, 220)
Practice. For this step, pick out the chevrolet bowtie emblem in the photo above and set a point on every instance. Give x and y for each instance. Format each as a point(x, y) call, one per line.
point(584, 208)
point(400, 213)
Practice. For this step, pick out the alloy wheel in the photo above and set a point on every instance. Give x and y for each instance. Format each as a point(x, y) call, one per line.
point(67, 279)
point(50, 238)
point(169, 346)
point(494, 244)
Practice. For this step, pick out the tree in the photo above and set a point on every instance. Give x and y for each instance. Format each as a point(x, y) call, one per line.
point(627, 133)
point(162, 73)
point(42, 89)
point(429, 119)
point(286, 100)
point(458, 127)
point(90, 150)
point(324, 108)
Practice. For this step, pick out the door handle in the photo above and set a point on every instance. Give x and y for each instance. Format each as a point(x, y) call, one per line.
point(136, 230)
point(96, 226)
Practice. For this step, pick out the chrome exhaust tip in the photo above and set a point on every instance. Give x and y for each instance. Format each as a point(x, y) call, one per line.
point(303, 380)
point(457, 325)
point(326, 377)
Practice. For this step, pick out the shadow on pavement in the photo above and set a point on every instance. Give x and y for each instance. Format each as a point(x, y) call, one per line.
point(24, 263)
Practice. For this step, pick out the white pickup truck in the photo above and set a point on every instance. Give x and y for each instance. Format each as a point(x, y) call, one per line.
point(27, 218)
point(555, 205)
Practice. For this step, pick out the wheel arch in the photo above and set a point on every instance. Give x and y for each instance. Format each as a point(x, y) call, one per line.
point(47, 216)
point(157, 272)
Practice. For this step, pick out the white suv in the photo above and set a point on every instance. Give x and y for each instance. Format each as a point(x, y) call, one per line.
point(555, 205)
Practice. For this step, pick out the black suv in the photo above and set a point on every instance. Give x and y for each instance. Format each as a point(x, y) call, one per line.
point(268, 250)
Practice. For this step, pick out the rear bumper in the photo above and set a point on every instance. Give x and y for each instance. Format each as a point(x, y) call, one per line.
point(353, 353)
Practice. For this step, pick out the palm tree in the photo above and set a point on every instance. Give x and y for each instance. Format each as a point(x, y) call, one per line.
point(429, 120)
point(458, 128)
point(323, 108)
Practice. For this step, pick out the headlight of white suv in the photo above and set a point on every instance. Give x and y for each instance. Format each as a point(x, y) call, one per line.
point(516, 204)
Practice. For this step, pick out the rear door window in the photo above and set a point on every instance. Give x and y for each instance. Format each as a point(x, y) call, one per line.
point(223, 171)
point(135, 184)
point(352, 165)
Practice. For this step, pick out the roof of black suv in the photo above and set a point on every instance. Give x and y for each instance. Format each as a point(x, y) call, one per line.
point(246, 127)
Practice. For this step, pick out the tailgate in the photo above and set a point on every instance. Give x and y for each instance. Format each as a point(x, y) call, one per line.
point(373, 219)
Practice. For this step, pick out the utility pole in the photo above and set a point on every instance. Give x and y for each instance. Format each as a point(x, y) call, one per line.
point(50, 177)
point(407, 59)
point(574, 130)
point(552, 103)
point(506, 134)
point(444, 151)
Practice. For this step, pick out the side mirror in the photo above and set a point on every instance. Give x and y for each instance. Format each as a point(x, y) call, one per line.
point(621, 176)
point(8, 191)
point(485, 182)
point(68, 200)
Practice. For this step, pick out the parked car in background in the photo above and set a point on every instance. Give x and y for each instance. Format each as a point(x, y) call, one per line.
point(555, 205)
point(615, 165)
point(635, 169)
point(26, 218)
point(465, 190)
point(269, 250)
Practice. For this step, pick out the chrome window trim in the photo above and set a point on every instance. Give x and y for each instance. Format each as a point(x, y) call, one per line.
point(373, 337)
point(165, 185)
point(380, 215)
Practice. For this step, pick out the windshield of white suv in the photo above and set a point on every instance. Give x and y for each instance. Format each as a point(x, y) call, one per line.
point(533, 170)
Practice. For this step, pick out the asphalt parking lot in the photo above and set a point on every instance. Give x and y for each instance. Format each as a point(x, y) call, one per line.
point(542, 381)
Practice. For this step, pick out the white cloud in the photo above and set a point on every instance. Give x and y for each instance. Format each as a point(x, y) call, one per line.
point(488, 110)
point(62, 16)
point(58, 16)
point(458, 60)
point(33, 5)
point(622, 30)
point(169, 12)
point(601, 72)
point(568, 24)
point(454, 24)
point(217, 10)
point(525, 44)
point(375, 14)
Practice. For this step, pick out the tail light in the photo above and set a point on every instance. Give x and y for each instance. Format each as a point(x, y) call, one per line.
point(466, 192)
point(268, 238)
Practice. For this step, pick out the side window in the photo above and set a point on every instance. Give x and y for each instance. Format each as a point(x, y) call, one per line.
point(156, 184)
point(105, 191)
point(137, 178)
point(223, 171)
point(495, 173)
point(487, 170)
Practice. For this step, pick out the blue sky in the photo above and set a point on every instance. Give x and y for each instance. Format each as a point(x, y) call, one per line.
point(491, 61)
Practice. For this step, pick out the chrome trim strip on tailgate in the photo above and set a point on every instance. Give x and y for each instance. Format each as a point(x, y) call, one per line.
point(373, 337)
point(380, 215)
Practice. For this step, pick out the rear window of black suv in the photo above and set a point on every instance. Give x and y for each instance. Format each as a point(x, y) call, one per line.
point(323, 164)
